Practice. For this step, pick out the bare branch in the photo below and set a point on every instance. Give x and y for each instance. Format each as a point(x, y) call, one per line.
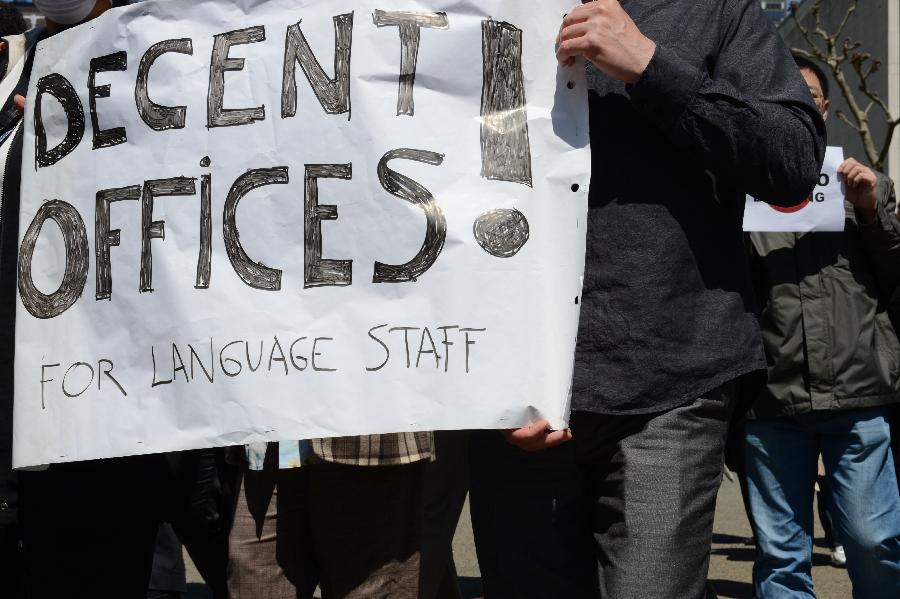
point(859, 66)
point(846, 18)
point(804, 31)
point(841, 115)
point(836, 53)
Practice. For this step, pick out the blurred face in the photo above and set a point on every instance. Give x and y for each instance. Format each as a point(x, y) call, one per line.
point(100, 7)
point(815, 88)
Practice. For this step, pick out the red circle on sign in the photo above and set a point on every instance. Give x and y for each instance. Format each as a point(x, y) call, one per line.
point(792, 209)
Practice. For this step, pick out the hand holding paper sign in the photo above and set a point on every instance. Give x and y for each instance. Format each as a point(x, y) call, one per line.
point(860, 183)
point(602, 32)
point(537, 436)
point(823, 210)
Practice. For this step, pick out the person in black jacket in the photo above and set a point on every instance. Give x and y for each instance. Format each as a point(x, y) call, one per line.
point(71, 517)
point(13, 51)
point(834, 369)
point(693, 105)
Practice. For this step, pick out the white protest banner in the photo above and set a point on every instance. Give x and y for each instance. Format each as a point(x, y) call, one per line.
point(246, 221)
point(823, 210)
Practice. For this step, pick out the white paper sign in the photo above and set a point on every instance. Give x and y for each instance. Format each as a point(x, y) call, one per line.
point(823, 210)
point(246, 221)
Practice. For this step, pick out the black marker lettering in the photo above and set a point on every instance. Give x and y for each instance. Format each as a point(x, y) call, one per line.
point(281, 358)
point(435, 226)
point(333, 94)
point(295, 357)
point(230, 360)
point(406, 331)
point(505, 147)
point(39, 304)
point(447, 343)
point(204, 260)
point(104, 237)
point(252, 273)
point(157, 117)
point(44, 368)
point(316, 354)
point(249, 362)
point(181, 367)
point(59, 87)
point(502, 232)
point(469, 343)
point(216, 115)
point(209, 374)
point(433, 350)
point(387, 351)
point(156, 229)
point(66, 376)
point(108, 373)
point(410, 25)
point(118, 61)
point(155, 382)
point(319, 272)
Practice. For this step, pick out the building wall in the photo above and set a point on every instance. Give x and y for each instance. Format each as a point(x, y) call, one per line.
point(875, 23)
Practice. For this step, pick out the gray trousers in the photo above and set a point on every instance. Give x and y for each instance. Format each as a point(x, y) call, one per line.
point(623, 511)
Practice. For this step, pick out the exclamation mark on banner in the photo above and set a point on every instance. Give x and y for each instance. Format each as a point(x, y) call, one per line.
point(505, 149)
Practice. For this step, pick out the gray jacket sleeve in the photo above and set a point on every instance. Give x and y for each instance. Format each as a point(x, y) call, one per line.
point(881, 238)
point(747, 117)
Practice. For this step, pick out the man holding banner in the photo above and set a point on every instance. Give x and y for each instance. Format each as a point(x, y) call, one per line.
point(833, 375)
point(693, 105)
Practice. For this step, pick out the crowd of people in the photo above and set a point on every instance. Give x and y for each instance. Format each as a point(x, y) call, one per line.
point(697, 343)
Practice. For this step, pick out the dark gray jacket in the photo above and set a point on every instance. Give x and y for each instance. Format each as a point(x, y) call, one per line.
point(829, 341)
point(721, 111)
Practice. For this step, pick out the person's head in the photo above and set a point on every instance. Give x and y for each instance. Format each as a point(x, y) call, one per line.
point(11, 20)
point(62, 14)
point(817, 82)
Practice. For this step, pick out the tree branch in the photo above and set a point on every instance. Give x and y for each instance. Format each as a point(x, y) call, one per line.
point(843, 117)
point(846, 18)
point(835, 55)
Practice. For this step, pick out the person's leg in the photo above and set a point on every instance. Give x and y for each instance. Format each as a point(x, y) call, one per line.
point(76, 516)
point(269, 547)
point(446, 485)
point(735, 461)
point(822, 509)
point(366, 525)
point(167, 578)
point(530, 520)
point(10, 535)
point(781, 472)
point(653, 482)
point(201, 512)
point(866, 505)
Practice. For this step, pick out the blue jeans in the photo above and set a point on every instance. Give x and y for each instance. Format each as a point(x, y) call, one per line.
point(782, 457)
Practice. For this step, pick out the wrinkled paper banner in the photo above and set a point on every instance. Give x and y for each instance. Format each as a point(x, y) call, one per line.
point(297, 218)
point(823, 210)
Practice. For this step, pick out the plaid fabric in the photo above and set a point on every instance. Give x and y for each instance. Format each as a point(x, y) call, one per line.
point(369, 450)
point(374, 450)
